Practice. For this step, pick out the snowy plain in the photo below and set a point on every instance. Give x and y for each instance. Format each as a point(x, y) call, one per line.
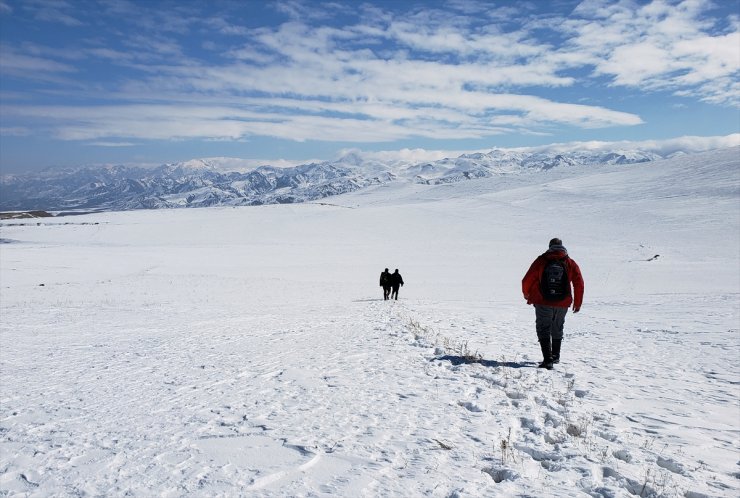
point(248, 351)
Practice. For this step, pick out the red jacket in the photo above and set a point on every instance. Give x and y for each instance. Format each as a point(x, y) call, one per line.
point(531, 281)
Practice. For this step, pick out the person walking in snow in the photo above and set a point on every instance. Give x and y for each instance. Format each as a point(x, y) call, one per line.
point(385, 283)
point(547, 285)
point(396, 283)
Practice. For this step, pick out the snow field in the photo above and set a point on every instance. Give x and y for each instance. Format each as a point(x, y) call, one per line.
point(248, 352)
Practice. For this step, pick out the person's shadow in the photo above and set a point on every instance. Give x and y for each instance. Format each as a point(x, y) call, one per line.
point(461, 360)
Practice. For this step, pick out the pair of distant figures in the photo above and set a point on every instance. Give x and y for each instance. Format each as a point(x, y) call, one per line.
point(390, 282)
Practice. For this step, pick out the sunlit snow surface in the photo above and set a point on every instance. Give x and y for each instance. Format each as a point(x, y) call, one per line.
point(248, 351)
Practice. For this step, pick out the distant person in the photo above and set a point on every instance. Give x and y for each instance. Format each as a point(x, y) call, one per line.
point(547, 285)
point(396, 283)
point(385, 283)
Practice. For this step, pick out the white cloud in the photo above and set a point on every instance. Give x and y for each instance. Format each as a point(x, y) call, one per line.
point(634, 64)
point(317, 120)
point(688, 144)
point(408, 156)
point(664, 44)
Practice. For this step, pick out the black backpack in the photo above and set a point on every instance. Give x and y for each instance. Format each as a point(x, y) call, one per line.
point(555, 285)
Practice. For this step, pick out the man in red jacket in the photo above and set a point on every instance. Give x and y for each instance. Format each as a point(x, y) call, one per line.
point(547, 285)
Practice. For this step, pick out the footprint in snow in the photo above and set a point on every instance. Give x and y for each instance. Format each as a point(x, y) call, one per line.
point(638, 488)
point(623, 455)
point(671, 465)
point(538, 455)
point(471, 407)
point(516, 395)
point(531, 425)
point(607, 436)
point(500, 475)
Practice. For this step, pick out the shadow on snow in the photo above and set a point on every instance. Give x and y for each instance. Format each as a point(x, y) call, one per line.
point(461, 360)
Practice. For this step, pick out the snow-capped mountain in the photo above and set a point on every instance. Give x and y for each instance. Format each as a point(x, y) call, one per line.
point(203, 182)
point(190, 184)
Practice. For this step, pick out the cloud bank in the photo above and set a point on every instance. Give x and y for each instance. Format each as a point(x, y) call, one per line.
point(687, 144)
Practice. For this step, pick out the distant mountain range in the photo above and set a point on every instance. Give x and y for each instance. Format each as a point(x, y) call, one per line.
point(204, 182)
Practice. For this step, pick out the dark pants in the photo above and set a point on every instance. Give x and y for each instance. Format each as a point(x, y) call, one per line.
point(394, 294)
point(550, 322)
point(386, 292)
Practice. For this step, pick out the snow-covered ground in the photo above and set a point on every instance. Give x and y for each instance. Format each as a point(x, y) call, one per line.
point(248, 351)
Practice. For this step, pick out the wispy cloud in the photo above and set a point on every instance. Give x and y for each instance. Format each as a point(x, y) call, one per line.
point(40, 69)
point(111, 144)
point(15, 131)
point(20, 64)
point(54, 11)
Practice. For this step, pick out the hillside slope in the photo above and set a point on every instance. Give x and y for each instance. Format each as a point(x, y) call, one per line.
point(247, 350)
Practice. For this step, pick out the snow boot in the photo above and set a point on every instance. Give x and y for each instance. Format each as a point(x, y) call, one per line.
point(546, 355)
point(556, 350)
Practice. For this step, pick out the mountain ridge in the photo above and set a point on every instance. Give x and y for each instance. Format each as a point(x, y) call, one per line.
point(203, 183)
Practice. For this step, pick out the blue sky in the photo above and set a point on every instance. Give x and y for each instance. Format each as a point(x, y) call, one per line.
point(125, 81)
